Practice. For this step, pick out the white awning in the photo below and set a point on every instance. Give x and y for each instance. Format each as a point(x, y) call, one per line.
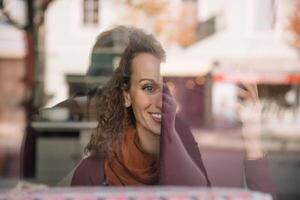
point(264, 51)
point(179, 65)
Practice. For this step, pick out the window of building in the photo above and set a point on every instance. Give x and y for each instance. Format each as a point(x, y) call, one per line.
point(91, 12)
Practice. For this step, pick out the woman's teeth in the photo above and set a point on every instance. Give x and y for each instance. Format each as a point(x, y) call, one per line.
point(156, 115)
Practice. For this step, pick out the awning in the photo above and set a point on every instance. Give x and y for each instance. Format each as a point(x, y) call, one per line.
point(262, 57)
point(180, 65)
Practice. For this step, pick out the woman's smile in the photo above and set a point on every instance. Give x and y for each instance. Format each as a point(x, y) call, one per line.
point(156, 117)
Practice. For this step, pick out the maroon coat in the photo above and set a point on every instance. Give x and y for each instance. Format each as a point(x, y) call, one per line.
point(90, 171)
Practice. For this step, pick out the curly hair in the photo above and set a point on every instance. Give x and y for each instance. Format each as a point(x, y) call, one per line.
point(112, 115)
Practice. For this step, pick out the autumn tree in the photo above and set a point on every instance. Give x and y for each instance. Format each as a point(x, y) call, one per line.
point(294, 25)
point(172, 24)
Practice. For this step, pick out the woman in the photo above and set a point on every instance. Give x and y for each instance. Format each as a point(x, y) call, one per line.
point(125, 148)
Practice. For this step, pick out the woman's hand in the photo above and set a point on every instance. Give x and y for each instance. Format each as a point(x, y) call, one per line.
point(250, 112)
point(168, 112)
point(176, 165)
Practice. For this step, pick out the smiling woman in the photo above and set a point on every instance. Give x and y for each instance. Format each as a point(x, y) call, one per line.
point(127, 139)
point(144, 96)
point(125, 149)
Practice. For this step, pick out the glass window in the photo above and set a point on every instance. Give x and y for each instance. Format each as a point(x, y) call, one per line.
point(90, 12)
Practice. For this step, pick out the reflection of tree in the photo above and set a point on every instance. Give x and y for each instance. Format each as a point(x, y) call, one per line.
point(294, 25)
point(173, 23)
point(150, 7)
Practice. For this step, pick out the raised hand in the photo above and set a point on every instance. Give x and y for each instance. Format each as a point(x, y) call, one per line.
point(176, 165)
point(168, 113)
point(250, 112)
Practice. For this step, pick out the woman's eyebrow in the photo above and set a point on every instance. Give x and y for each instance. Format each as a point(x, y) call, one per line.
point(147, 79)
point(151, 80)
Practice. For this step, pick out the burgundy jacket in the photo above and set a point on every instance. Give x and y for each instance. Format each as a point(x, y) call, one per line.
point(90, 171)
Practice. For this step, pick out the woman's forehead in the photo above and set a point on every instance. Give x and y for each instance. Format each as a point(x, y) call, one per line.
point(146, 66)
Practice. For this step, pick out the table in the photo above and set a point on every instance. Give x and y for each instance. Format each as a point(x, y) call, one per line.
point(135, 193)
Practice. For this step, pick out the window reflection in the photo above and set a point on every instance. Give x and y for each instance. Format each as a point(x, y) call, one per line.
point(234, 80)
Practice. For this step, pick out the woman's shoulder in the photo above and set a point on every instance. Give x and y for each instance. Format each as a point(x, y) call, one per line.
point(89, 172)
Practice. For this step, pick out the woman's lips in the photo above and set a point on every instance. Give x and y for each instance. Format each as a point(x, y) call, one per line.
point(156, 117)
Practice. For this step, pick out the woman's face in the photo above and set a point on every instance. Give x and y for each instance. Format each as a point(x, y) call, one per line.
point(145, 93)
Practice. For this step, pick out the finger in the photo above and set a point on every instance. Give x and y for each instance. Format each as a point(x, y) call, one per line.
point(166, 89)
point(243, 94)
point(166, 94)
point(168, 98)
point(251, 89)
point(166, 113)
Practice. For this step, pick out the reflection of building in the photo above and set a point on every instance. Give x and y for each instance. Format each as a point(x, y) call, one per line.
point(91, 15)
point(69, 36)
point(70, 33)
point(251, 46)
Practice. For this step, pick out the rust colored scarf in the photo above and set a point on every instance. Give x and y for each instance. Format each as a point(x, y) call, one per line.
point(131, 165)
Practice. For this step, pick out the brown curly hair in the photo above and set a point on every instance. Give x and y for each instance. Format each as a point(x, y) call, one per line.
point(113, 117)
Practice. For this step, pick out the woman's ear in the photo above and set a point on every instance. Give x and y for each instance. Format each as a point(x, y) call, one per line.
point(127, 98)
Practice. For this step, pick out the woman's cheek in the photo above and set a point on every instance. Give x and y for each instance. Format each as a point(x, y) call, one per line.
point(143, 98)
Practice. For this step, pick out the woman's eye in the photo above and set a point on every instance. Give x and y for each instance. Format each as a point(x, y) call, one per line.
point(148, 88)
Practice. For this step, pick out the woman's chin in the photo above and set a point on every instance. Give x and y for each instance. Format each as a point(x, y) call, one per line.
point(156, 128)
point(157, 131)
